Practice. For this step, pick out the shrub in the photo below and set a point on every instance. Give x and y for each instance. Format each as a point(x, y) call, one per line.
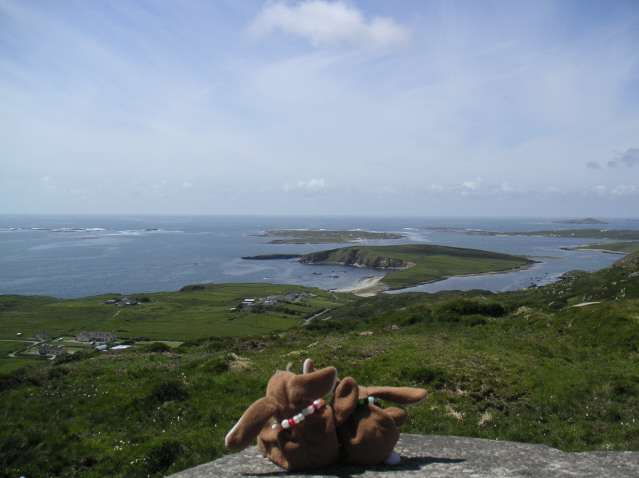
point(470, 307)
point(157, 347)
point(162, 456)
point(474, 320)
point(434, 377)
point(10, 381)
point(76, 357)
point(218, 365)
point(168, 391)
point(57, 372)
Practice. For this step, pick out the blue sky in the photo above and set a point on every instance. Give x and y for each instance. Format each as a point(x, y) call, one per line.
point(320, 107)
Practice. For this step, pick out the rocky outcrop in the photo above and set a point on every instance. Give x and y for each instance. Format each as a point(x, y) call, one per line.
point(434, 456)
point(355, 257)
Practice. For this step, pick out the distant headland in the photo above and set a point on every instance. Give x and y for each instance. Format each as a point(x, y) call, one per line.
point(588, 220)
point(321, 236)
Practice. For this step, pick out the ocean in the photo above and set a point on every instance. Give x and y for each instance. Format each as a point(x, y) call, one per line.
point(79, 256)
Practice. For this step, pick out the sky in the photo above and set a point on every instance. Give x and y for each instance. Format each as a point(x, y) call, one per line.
point(318, 107)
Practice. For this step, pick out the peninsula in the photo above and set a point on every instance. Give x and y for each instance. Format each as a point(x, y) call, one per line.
point(626, 247)
point(413, 264)
point(616, 234)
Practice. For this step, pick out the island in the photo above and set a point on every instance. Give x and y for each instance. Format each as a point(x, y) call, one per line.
point(588, 220)
point(409, 265)
point(626, 247)
point(321, 236)
point(270, 257)
point(615, 234)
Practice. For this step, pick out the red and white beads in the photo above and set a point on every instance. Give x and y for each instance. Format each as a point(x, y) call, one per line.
point(291, 422)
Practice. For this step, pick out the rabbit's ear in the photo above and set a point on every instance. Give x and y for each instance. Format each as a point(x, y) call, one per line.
point(312, 385)
point(250, 425)
point(399, 395)
point(345, 399)
point(308, 367)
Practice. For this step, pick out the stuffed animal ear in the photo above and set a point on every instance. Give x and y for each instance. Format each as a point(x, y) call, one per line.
point(345, 399)
point(250, 425)
point(399, 395)
point(308, 367)
point(399, 415)
point(312, 385)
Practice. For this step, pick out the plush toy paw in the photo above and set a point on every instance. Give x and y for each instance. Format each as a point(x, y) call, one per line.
point(392, 459)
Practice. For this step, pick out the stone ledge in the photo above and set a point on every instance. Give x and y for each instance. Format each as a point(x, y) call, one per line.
point(434, 456)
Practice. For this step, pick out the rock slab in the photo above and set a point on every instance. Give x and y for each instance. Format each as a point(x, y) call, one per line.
point(434, 456)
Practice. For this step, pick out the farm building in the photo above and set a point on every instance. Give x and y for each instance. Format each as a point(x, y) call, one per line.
point(50, 349)
point(95, 336)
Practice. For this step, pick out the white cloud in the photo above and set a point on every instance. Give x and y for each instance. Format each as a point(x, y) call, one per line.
point(600, 190)
point(472, 185)
point(329, 24)
point(624, 190)
point(311, 185)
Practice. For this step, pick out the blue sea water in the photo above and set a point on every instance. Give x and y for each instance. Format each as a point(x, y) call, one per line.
point(78, 256)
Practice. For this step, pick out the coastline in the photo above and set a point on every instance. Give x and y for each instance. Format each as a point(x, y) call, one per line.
point(365, 287)
point(371, 286)
point(479, 274)
point(149, 254)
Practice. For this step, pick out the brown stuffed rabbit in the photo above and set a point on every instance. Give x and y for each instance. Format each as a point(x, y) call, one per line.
point(294, 427)
point(366, 432)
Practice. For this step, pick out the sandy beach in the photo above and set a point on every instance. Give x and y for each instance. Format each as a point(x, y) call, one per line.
point(370, 286)
point(366, 287)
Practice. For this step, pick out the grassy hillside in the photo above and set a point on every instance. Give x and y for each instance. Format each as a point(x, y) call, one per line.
point(420, 263)
point(535, 366)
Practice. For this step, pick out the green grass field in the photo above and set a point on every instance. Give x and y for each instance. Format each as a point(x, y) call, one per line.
point(199, 311)
point(6, 347)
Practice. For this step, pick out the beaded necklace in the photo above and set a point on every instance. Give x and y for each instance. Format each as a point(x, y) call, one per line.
point(363, 401)
point(292, 422)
